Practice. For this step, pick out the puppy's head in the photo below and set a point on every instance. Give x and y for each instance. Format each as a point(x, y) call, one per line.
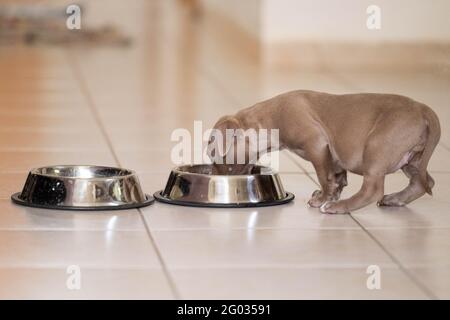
point(225, 146)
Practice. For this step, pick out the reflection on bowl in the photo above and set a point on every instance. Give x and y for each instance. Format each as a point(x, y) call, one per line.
point(202, 185)
point(82, 188)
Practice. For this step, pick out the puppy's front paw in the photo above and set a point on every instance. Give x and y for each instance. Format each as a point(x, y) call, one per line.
point(316, 194)
point(317, 199)
point(334, 207)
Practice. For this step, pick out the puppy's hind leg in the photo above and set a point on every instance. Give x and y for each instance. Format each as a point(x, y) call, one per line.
point(413, 191)
point(419, 179)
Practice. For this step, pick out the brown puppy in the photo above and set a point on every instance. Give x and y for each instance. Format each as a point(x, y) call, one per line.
point(368, 134)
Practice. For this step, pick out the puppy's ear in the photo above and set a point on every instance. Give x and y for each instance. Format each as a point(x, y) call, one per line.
point(223, 137)
point(228, 122)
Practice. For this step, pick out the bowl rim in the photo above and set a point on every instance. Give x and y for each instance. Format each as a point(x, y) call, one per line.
point(149, 199)
point(178, 171)
point(158, 195)
point(35, 171)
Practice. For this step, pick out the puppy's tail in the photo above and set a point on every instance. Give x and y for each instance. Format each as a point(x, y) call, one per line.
point(434, 134)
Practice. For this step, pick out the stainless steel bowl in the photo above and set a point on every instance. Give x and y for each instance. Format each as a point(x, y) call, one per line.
point(82, 188)
point(199, 185)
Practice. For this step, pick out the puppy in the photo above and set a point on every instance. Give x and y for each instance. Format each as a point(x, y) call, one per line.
point(368, 134)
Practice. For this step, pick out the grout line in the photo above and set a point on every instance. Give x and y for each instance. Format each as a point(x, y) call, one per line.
point(160, 257)
point(411, 276)
point(75, 67)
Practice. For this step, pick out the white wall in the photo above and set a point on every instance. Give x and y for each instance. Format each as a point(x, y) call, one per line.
point(273, 21)
point(345, 20)
point(245, 13)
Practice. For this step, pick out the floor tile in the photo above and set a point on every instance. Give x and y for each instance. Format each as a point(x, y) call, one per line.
point(417, 247)
point(422, 213)
point(50, 140)
point(15, 217)
point(292, 283)
point(440, 160)
point(51, 283)
point(47, 115)
point(24, 161)
point(30, 126)
point(98, 249)
point(169, 217)
point(11, 183)
point(41, 98)
point(35, 84)
point(437, 279)
point(268, 248)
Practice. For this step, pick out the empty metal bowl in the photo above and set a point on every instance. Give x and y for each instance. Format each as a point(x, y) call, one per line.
point(201, 186)
point(82, 188)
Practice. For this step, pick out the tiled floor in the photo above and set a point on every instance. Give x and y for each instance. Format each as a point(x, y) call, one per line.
point(118, 106)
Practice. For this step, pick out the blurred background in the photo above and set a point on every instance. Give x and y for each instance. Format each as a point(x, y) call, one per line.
point(183, 60)
point(159, 54)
